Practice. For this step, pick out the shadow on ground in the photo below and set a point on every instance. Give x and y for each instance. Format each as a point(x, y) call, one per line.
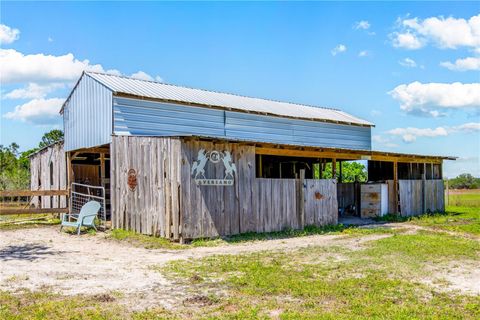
point(29, 252)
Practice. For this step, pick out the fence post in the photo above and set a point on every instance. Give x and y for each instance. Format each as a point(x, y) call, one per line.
point(424, 195)
point(301, 198)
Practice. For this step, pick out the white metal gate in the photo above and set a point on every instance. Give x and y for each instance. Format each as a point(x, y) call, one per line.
point(82, 193)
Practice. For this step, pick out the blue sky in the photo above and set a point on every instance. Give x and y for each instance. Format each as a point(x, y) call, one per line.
point(413, 69)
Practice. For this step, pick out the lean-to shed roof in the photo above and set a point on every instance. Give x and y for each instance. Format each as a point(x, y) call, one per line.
point(172, 93)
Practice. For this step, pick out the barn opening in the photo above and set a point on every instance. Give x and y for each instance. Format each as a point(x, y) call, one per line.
point(89, 170)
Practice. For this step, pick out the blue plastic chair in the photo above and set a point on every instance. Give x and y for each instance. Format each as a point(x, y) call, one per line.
point(86, 217)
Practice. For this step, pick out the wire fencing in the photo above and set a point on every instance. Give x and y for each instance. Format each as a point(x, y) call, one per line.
point(83, 193)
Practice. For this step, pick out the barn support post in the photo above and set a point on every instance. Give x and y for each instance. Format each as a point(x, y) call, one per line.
point(340, 177)
point(301, 199)
point(334, 168)
point(395, 186)
point(424, 194)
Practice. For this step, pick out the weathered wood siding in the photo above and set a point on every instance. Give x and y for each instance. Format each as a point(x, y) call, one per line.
point(153, 207)
point(434, 195)
point(43, 178)
point(413, 200)
point(321, 206)
point(276, 205)
point(391, 197)
point(210, 211)
point(411, 197)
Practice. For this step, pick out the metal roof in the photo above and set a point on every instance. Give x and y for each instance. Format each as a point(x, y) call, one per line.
point(172, 93)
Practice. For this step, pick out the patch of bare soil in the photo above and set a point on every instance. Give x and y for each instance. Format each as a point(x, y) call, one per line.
point(463, 276)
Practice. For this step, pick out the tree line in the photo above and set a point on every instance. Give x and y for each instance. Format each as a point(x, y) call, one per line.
point(464, 181)
point(15, 165)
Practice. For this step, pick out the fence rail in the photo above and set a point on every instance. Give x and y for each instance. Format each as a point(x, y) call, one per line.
point(15, 208)
point(31, 193)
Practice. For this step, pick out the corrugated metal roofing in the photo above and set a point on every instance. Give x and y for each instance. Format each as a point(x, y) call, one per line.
point(167, 92)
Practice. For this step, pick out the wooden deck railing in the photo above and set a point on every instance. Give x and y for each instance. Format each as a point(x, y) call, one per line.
point(25, 207)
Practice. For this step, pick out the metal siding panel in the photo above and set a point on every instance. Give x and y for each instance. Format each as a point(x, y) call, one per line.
point(149, 89)
point(88, 115)
point(292, 131)
point(139, 117)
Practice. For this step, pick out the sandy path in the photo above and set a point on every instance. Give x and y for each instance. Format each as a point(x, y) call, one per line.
point(44, 258)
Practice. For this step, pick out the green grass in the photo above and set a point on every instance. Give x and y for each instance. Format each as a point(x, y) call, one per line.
point(151, 242)
point(458, 219)
point(380, 281)
point(464, 198)
point(15, 221)
point(28, 305)
point(141, 240)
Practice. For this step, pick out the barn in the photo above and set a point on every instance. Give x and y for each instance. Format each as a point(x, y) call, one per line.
point(185, 163)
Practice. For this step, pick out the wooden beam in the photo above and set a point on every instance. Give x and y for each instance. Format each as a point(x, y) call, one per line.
point(341, 154)
point(93, 150)
point(5, 211)
point(32, 193)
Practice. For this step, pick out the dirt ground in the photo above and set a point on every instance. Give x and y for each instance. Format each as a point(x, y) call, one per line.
point(44, 258)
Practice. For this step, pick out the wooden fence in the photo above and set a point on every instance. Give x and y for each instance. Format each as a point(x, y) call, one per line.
point(166, 201)
point(321, 206)
point(421, 196)
point(17, 202)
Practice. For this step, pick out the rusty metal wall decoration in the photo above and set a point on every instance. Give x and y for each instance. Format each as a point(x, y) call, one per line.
point(132, 179)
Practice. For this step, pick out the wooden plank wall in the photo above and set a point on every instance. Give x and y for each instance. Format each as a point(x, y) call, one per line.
point(251, 204)
point(86, 174)
point(154, 206)
point(411, 196)
point(434, 195)
point(167, 202)
point(40, 178)
point(209, 211)
point(391, 197)
point(321, 206)
point(276, 205)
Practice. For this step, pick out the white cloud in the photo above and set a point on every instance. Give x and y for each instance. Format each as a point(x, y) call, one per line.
point(338, 49)
point(363, 53)
point(466, 64)
point(8, 35)
point(15, 67)
point(375, 113)
point(408, 63)
point(445, 33)
point(363, 24)
point(37, 111)
point(33, 91)
point(145, 76)
point(406, 41)
point(411, 134)
point(429, 98)
point(50, 39)
point(467, 127)
point(385, 141)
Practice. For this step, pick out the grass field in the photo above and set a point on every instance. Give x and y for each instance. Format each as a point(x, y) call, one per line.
point(401, 273)
point(463, 198)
